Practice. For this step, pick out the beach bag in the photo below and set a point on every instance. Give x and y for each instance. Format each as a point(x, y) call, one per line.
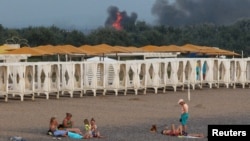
point(49, 132)
point(74, 135)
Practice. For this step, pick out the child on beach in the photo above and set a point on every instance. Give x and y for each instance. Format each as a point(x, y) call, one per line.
point(87, 128)
point(94, 131)
point(91, 129)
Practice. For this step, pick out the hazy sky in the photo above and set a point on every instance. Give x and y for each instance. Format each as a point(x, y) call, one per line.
point(89, 14)
point(68, 13)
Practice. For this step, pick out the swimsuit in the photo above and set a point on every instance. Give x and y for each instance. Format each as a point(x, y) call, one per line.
point(184, 118)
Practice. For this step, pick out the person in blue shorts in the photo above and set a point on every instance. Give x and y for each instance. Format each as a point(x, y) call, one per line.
point(184, 115)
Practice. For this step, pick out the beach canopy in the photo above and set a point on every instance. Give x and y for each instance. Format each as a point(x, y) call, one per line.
point(151, 48)
point(207, 50)
point(6, 48)
point(173, 48)
point(51, 49)
point(132, 49)
point(92, 50)
point(71, 49)
point(111, 49)
point(28, 50)
point(105, 49)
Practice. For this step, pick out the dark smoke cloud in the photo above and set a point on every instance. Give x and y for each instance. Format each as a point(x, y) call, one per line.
point(126, 19)
point(187, 12)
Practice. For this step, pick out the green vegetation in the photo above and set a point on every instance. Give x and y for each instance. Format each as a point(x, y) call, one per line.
point(234, 37)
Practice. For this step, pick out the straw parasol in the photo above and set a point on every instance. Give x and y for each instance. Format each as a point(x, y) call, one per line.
point(173, 48)
point(217, 51)
point(72, 49)
point(151, 48)
point(133, 49)
point(208, 50)
point(28, 50)
point(51, 49)
point(5, 48)
point(111, 49)
point(91, 49)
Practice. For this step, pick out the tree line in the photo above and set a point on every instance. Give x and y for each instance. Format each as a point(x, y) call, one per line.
point(235, 37)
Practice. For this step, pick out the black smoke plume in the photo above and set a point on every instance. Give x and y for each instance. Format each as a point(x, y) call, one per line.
point(189, 12)
point(126, 19)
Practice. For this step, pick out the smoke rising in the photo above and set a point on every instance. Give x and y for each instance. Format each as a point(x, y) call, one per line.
point(125, 21)
point(187, 12)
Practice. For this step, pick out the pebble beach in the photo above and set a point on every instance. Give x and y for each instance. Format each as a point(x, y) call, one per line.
point(126, 117)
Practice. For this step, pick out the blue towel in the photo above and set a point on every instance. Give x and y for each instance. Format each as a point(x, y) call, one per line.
point(74, 135)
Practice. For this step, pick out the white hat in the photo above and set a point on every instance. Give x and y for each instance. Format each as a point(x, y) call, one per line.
point(180, 100)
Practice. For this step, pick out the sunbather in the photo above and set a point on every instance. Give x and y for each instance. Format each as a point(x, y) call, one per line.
point(178, 132)
point(53, 128)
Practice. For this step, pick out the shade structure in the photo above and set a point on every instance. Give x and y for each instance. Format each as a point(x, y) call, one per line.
point(151, 48)
point(121, 49)
point(192, 48)
point(72, 49)
point(208, 50)
point(5, 48)
point(3, 51)
point(134, 49)
point(51, 49)
point(28, 50)
point(111, 49)
point(173, 48)
point(217, 51)
point(92, 50)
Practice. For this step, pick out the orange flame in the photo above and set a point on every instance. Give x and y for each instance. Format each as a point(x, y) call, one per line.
point(117, 23)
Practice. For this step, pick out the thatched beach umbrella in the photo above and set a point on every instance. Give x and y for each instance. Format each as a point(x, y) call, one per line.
point(151, 48)
point(28, 50)
point(173, 48)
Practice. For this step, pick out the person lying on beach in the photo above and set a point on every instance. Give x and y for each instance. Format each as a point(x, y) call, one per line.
point(178, 132)
point(62, 132)
point(55, 131)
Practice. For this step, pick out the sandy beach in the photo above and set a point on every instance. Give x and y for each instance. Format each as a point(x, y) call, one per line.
point(126, 118)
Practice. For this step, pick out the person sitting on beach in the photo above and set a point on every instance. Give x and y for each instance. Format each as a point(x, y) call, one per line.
point(67, 122)
point(53, 128)
point(178, 132)
point(57, 131)
point(61, 132)
point(87, 128)
point(91, 129)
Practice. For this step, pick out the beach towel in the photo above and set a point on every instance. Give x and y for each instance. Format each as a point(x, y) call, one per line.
point(74, 135)
point(188, 137)
point(17, 138)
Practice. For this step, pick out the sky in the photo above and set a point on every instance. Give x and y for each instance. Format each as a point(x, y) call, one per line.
point(68, 13)
point(89, 14)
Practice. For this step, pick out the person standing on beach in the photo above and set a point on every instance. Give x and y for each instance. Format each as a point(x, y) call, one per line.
point(184, 115)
